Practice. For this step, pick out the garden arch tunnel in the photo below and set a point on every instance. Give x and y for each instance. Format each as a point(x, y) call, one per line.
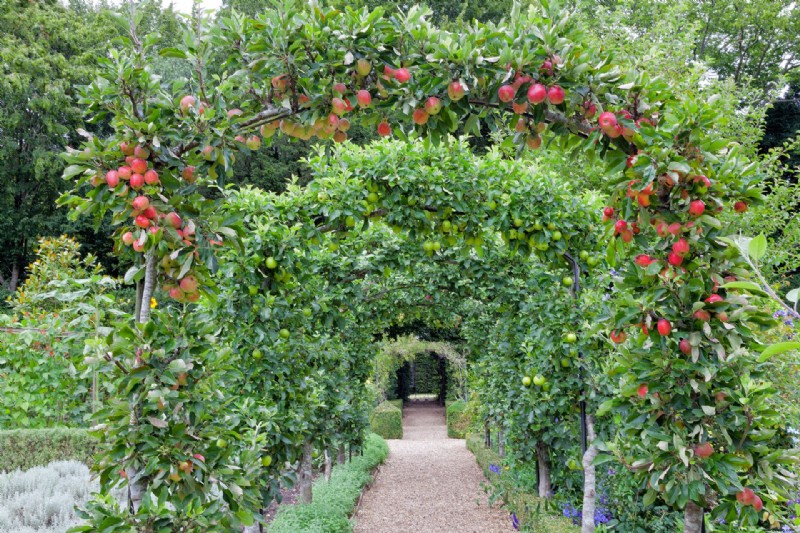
point(536, 74)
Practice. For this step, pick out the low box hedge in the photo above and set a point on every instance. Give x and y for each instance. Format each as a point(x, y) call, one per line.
point(397, 403)
point(386, 420)
point(333, 501)
point(458, 420)
point(26, 448)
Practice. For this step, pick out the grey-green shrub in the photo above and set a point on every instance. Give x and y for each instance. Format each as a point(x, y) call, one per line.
point(43, 499)
point(386, 420)
point(25, 448)
point(333, 501)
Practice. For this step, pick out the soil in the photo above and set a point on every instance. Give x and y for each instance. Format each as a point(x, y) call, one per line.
point(428, 484)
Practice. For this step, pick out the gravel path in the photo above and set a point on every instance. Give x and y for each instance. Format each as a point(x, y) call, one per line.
point(429, 484)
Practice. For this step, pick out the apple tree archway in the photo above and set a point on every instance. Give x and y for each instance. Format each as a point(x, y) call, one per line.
point(306, 71)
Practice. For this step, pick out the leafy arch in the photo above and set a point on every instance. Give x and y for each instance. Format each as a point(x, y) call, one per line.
point(301, 70)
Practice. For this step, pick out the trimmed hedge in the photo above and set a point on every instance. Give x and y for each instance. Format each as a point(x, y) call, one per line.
point(387, 421)
point(397, 403)
point(533, 513)
point(458, 420)
point(333, 501)
point(25, 448)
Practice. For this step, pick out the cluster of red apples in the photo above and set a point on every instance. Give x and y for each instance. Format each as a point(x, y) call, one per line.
point(133, 181)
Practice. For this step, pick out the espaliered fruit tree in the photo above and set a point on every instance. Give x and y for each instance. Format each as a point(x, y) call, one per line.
point(196, 459)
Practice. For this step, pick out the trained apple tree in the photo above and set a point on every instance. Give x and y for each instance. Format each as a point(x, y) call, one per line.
point(308, 72)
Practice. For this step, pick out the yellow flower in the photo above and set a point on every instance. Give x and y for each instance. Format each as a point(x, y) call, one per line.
point(153, 303)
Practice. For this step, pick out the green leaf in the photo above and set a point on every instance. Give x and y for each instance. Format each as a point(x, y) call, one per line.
point(745, 285)
point(603, 458)
point(793, 295)
point(173, 52)
point(604, 407)
point(778, 348)
point(649, 498)
point(757, 247)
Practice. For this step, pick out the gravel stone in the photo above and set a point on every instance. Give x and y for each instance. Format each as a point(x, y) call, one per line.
point(428, 484)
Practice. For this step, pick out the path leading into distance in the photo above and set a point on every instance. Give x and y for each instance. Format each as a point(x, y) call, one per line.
point(428, 484)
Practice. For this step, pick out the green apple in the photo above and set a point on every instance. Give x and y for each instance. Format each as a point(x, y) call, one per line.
point(372, 198)
point(271, 263)
point(350, 222)
point(570, 338)
point(284, 333)
point(539, 380)
point(526, 381)
point(584, 255)
point(222, 443)
point(257, 354)
point(551, 226)
point(306, 311)
point(518, 222)
point(565, 362)
point(567, 281)
point(592, 261)
point(266, 460)
point(556, 236)
point(252, 289)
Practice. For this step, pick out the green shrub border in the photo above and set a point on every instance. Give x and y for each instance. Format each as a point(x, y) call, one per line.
point(457, 421)
point(333, 501)
point(531, 511)
point(397, 403)
point(386, 420)
point(25, 448)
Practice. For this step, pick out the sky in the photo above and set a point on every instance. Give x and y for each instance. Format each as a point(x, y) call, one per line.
point(185, 6)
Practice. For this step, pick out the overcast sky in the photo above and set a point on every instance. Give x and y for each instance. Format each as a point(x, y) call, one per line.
point(185, 6)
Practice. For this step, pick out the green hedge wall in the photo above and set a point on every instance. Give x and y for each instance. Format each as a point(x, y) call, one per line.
point(458, 420)
point(426, 374)
point(387, 421)
point(397, 403)
point(333, 501)
point(26, 448)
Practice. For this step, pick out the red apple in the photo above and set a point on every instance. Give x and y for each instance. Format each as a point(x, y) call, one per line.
point(384, 130)
point(188, 174)
point(608, 212)
point(112, 178)
point(402, 75)
point(618, 337)
point(139, 166)
point(555, 95)
point(363, 67)
point(420, 117)
point(174, 220)
point(702, 315)
point(506, 93)
point(151, 177)
point(455, 91)
point(607, 120)
point(664, 327)
point(364, 98)
point(534, 142)
point(339, 106)
point(537, 93)
point(433, 105)
point(339, 137)
point(644, 260)
point(740, 207)
point(142, 221)
point(704, 450)
point(150, 213)
point(340, 88)
point(758, 505)
point(137, 181)
point(642, 390)
point(140, 203)
point(685, 346)
point(141, 152)
point(519, 108)
point(681, 247)
point(697, 207)
point(186, 102)
point(714, 298)
point(127, 238)
point(188, 284)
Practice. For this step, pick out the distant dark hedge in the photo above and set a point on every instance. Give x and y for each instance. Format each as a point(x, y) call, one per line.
point(26, 448)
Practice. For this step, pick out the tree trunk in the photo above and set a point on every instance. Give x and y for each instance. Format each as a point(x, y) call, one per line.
point(328, 463)
point(304, 479)
point(692, 518)
point(14, 280)
point(501, 445)
point(341, 456)
point(136, 486)
point(487, 435)
point(543, 461)
point(589, 479)
point(149, 287)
